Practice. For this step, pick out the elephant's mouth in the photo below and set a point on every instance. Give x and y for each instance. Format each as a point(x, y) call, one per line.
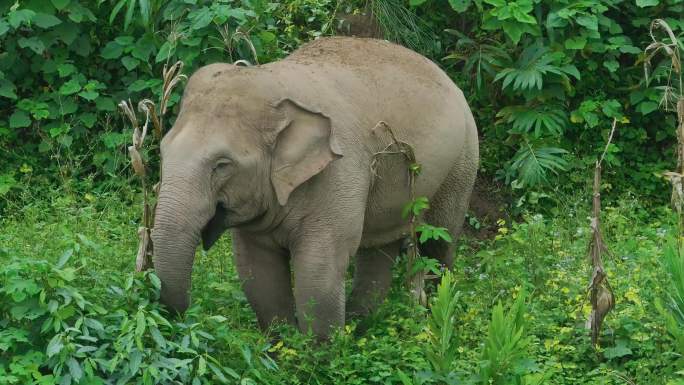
point(219, 223)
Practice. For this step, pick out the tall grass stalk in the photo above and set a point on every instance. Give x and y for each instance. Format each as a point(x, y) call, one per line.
point(506, 344)
point(442, 327)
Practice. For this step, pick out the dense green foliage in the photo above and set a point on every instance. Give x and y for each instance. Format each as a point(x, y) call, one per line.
point(545, 78)
point(69, 305)
point(65, 64)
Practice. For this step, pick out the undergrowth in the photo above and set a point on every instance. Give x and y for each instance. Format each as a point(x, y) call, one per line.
point(72, 308)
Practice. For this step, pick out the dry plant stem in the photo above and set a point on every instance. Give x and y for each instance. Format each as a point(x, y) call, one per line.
point(677, 178)
point(672, 51)
point(415, 282)
point(228, 40)
point(171, 76)
point(601, 294)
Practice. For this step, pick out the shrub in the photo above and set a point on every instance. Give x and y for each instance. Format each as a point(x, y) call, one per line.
point(51, 326)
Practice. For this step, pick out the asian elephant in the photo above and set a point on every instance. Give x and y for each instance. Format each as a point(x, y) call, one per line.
point(299, 158)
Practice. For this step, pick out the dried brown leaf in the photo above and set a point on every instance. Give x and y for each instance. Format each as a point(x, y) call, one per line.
point(136, 161)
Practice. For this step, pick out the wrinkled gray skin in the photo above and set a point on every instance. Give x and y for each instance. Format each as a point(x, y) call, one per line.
point(282, 154)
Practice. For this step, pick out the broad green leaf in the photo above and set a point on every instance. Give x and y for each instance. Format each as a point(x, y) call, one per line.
point(70, 87)
point(416, 3)
point(459, 5)
point(54, 346)
point(88, 119)
point(66, 69)
point(113, 140)
point(224, 12)
point(4, 27)
point(219, 373)
point(156, 282)
point(59, 130)
point(64, 258)
point(69, 106)
point(628, 48)
point(612, 108)
point(7, 89)
point(19, 119)
point(577, 42)
point(105, 104)
point(129, 62)
point(67, 32)
point(75, 369)
point(124, 40)
point(66, 141)
point(33, 43)
point(611, 65)
point(619, 350)
point(571, 70)
point(135, 361)
point(60, 4)
point(647, 3)
point(513, 30)
point(165, 52)
point(524, 17)
point(89, 95)
point(77, 13)
point(143, 49)
point(588, 21)
point(82, 46)
point(201, 367)
point(200, 18)
point(267, 37)
point(7, 182)
point(112, 50)
point(19, 17)
point(647, 107)
point(43, 20)
point(138, 86)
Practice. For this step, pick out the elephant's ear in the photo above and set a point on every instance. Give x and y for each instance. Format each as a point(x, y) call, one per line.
point(304, 147)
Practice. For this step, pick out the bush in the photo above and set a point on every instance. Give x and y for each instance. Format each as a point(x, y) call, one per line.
point(121, 337)
point(673, 309)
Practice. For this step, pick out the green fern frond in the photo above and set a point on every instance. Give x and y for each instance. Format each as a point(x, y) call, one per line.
point(544, 120)
point(533, 164)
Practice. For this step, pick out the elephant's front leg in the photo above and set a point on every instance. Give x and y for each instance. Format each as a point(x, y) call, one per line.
point(320, 263)
point(265, 273)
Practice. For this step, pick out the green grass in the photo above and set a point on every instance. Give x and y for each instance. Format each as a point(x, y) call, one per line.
point(542, 256)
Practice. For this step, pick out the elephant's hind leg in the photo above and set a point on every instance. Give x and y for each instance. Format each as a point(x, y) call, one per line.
point(265, 275)
point(372, 278)
point(448, 208)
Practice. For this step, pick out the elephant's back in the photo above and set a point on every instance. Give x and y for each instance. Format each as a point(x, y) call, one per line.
point(351, 51)
point(366, 56)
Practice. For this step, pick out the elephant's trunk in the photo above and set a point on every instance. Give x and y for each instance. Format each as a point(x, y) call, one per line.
point(182, 211)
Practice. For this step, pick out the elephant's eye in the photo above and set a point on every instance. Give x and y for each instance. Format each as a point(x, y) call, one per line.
point(222, 164)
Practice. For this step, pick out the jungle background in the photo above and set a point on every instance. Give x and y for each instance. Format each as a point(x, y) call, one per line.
point(545, 80)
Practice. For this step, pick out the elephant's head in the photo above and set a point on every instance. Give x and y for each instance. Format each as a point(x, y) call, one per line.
point(232, 158)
